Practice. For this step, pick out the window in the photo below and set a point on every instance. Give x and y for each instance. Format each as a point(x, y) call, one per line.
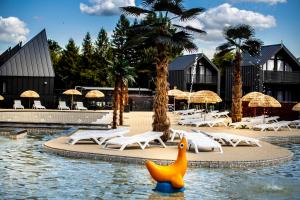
point(265, 67)
point(3, 87)
point(279, 95)
point(288, 68)
point(270, 65)
point(280, 65)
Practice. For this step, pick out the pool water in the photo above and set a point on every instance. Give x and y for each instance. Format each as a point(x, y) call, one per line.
point(27, 172)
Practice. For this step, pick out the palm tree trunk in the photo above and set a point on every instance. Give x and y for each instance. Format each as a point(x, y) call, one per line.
point(121, 103)
point(115, 103)
point(161, 121)
point(236, 107)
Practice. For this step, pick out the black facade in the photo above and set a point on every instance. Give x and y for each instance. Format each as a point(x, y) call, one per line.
point(27, 67)
point(207, 75)
point(275, 72)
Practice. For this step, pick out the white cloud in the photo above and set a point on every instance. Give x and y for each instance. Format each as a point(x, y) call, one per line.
point(12, 30)
point(271, 2)
point(105, 7)
point(214, 20)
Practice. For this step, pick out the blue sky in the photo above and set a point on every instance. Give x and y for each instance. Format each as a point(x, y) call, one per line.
point(273, 20)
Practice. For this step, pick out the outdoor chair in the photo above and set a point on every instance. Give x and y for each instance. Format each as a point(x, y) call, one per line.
point(142, 140)
point(295, 123)
point(273, 126)
point(201, 141)
point(98, 136)
point(62, 106)
point(175, 133)
point(18, 104)
point(79, 106)
point(37, 105)
point(184, 112)
point(231, 139)
point(210, 122)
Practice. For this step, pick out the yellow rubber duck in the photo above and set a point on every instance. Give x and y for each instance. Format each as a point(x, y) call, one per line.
point(172, 173)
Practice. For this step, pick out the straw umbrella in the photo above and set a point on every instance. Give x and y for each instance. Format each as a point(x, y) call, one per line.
point(252, 95)
point(72, 92)
point(94, 94)
point(264, 101)
point(175, 92)
point(204, 96)
point(296, 107)
point(29, 94)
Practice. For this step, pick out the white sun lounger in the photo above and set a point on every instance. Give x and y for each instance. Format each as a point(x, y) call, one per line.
point(176, 132)
point(62, 106)
point(142, 140)
point(233, 140)
point(295, 123)
point(37, 105)
point(184, 112)
point(79, 106)
point(210, 123)
point(98, 136)
point(201, 141)
point(18, 104)
point(275, 126)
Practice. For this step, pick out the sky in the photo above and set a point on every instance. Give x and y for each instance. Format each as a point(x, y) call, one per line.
point(275, 21)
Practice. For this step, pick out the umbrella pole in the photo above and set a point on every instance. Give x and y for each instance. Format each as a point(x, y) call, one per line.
point(174, 103)
point(72, 102)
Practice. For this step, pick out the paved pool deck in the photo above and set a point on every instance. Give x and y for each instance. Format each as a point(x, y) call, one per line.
point(138, 122)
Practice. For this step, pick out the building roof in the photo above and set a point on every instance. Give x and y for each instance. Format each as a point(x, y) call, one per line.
point(182, 62)
point(266, 53)
point(33, 59)
point(111, 88)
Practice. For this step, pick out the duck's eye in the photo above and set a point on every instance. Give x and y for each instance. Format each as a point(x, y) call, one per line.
point(181, 145)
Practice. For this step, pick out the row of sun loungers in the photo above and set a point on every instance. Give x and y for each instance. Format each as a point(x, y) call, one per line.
point(37, 105)
point(198, 140)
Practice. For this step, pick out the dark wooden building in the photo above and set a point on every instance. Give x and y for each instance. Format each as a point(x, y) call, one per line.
point(275, 72)
point(27, 67)
point(207, 75)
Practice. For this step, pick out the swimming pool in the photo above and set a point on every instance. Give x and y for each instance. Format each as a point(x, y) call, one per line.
point(27, 171)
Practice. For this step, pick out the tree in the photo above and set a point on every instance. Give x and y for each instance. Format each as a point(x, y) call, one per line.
point(69, 64)
point(87, 68)
point(121, 74)
point(122, 60)
point(162, 35)
point(222, 61)
point(102, 57)
point(56, 53)
point(240, 38)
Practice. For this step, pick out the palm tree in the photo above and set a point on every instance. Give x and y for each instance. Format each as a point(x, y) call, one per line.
point(121, 74)
point(240, 38)
point(163, 36)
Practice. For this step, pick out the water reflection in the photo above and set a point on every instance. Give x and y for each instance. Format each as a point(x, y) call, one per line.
point(29, 173)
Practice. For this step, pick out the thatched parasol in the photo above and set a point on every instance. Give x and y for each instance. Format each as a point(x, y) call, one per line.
point(296, 107)
point(175, 92)
point(72, 92)
point(29, 94)
point(205, 96)
point(94, 94)
point(264, 101)
point(251, 95)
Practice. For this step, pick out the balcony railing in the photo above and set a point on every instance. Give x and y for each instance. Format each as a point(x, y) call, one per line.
point(203, 79)
point(281, 77)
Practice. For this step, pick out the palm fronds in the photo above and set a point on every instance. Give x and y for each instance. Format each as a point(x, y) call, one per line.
point(135, 11)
